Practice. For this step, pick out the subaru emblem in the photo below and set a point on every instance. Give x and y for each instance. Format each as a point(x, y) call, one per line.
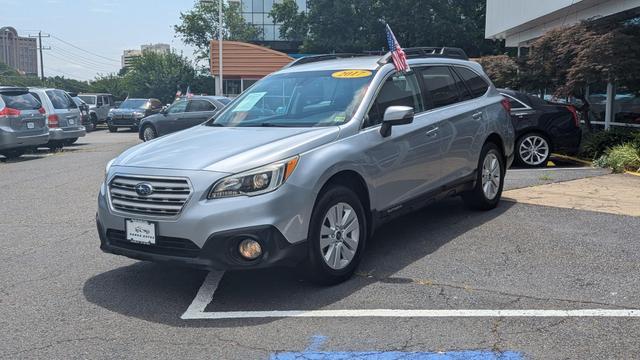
point(144, 189)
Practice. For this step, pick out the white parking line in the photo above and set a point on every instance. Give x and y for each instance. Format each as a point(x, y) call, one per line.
point(552, 169)
point(210, 284)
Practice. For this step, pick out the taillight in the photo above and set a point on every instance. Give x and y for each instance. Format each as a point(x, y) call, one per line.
point(574, 113)
point(7, 111)
point(42, 110)
point(53, 121)
point(506, 105)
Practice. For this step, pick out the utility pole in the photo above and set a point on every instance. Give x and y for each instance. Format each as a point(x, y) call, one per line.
point(40, 48)
point(219, 81)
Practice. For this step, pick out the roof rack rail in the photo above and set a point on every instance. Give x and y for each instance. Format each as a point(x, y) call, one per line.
point(322, 57)
point(427, 52)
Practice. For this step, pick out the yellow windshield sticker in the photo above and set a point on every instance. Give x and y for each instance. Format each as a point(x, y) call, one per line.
point(351, 74)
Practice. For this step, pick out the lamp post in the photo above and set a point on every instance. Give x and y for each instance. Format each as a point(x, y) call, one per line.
point(219, 87)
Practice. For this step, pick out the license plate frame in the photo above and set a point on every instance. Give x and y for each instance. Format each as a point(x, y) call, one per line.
point(141, 231)
point(31, 125)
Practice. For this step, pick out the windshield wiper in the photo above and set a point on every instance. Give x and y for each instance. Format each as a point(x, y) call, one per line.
point(215, 124)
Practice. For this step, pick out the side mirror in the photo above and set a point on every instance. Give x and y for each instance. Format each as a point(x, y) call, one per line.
point(163, 110)
point(395, 115)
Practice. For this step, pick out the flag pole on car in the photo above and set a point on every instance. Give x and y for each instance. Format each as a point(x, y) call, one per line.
point(397, 54)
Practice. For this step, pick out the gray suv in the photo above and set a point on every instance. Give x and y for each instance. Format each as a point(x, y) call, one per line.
point(304, 166)
point(22, 122)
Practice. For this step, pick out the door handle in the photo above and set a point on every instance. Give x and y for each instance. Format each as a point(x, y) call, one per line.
point(432, 132)
point(477, 116)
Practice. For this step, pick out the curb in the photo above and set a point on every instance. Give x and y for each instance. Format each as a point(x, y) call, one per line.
point(632, 173)
point(571, 158)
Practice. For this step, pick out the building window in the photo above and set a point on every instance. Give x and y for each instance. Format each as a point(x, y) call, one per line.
point(232, 87)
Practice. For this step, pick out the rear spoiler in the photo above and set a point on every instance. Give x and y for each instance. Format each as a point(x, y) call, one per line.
point(14, 90)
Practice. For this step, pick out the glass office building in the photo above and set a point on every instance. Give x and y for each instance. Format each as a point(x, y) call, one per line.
point(257, 12)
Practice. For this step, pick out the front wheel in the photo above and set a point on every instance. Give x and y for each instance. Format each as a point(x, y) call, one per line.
point(487, 191)
point(337, 235)
point(112, 128)
point(149, 133)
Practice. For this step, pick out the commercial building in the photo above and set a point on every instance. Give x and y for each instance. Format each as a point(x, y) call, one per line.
point(257, 12)
point(21, 53)
point(244, 64)
point(129, 55)
point(521, 22)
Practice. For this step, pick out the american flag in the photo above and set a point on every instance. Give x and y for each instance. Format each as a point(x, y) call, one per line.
point(397, 54)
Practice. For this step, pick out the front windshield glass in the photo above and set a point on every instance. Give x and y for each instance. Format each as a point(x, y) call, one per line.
point(303, 99)
point(134, 104)
point(88, 99)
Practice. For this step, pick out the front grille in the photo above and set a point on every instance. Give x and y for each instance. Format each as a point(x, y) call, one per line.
point(164, 245)
point(122, 121)
point(168, 197)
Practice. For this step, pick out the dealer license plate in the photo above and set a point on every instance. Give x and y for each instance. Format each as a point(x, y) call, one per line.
point(140, 231)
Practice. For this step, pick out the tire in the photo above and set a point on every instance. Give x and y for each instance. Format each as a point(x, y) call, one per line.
point(72, 141)
point(13, 153)
point(329, 263)
point(489, 183)
point(149, 133)
point(55, 146)
point(134, 128)
point(533, 150)
point(93, 123)
point(112, 128)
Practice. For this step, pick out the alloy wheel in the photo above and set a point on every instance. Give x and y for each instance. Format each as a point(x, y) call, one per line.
point(339, 236)
point(491, 174)
point(148, 134)
point(534, 150)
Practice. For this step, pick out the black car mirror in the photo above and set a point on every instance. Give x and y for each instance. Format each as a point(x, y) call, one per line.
point(396, 115)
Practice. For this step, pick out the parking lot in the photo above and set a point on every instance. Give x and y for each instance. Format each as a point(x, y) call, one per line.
point(432, 284)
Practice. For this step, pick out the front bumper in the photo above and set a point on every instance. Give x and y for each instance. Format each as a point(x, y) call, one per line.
point(206, 232)
point(12, 140)
point(67, 133)
point(128, 122)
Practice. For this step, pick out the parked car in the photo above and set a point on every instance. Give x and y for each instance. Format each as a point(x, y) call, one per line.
point(84, 112)
point(182, 114)
point(63, 116)
point(99, 106)
point(131, 112)
point(542, 127)
point(22, 122)
point(306, 164)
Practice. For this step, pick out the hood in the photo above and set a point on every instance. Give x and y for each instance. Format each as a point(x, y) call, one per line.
point(225, 149)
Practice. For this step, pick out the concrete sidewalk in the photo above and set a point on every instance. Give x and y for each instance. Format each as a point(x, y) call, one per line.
point(614, 194)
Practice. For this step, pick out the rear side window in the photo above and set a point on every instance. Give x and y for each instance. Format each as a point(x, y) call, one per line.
point(20, 101)
point(201, 105)
point(439, 85)
point(515, 104)
point(398, 90)
point(476, 84)
point(60, 100)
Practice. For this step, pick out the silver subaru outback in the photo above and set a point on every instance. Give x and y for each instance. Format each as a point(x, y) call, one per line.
point(307, 163)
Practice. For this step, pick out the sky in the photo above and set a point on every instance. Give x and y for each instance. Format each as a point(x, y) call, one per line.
point(101, 28)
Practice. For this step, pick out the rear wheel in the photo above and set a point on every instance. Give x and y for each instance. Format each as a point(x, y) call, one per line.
point(533, 150)
point(337, 235)
point(487, 191)
point(13, 153)
point(112, 128)
point(149, 133)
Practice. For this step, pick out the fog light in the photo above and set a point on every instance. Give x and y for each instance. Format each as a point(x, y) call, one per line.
point(250, 249)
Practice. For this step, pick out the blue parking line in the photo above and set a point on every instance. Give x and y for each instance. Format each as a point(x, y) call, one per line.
point(395, 355)
point(313, 353)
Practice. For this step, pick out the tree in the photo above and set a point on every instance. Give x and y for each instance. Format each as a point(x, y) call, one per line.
point(357, 25)
point(200, 25)
point(154, 75)
point(502, 70)
point(295, 24)
point(111, 84)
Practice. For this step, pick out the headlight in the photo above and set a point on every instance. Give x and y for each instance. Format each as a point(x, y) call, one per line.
point(254, 182)
point(138, 114)
point(106, 170)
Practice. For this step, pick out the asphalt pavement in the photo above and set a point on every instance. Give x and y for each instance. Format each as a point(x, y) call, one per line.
point(61, 297)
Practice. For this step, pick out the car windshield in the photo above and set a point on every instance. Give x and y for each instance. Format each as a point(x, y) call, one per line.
point(91, 100)
point(134, 104)
point(302, 99)
point(20, 101)
point(60, 100)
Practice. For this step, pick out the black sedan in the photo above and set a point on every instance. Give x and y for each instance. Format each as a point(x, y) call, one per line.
point(182, 114)
point(131, 112)
point(541, 128)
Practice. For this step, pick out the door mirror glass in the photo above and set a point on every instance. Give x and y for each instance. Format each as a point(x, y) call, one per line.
point(396, 115)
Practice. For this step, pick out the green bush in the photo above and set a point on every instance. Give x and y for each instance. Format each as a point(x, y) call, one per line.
point(620, 158)
point(595, 144)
